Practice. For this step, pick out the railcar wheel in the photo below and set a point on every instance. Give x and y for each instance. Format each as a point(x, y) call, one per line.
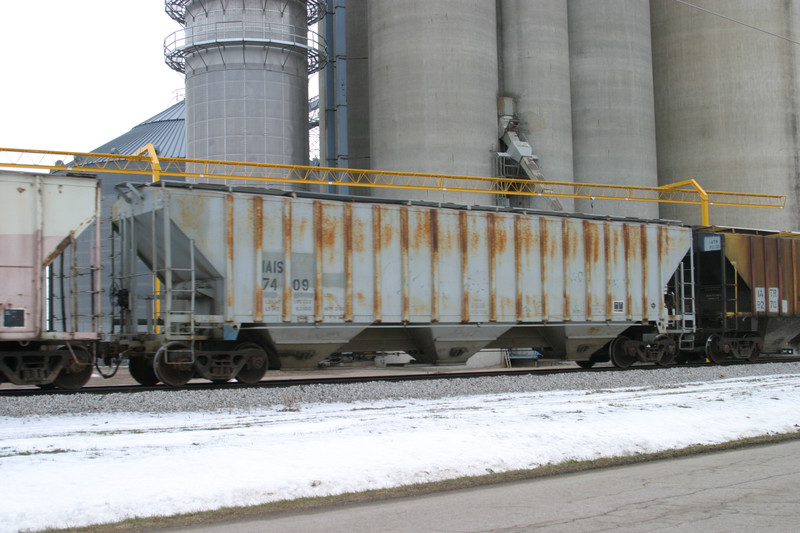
point(141, 370)
point(669, 349)
point(755, 355)
point(255, 367)
point(585, 364)
point(714, 351)
point(173, 369)
point(620, 356)
point(77, 371)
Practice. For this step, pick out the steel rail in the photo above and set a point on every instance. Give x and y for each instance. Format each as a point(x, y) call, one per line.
point(396, 378)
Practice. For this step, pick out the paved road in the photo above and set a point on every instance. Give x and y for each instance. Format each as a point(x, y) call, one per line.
point(753, 489)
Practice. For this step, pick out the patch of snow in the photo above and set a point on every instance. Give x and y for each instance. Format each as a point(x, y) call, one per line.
point(79, 469)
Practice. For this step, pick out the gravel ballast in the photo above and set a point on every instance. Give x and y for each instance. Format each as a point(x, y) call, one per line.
point(168, 401)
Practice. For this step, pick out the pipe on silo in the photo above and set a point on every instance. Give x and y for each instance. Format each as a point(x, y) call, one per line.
point(613, 114)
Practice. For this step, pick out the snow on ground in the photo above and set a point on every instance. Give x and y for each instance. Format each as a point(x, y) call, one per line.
point(73, 470)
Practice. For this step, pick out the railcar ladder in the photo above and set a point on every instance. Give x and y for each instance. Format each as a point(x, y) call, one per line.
point(179, 324)
point(173, 319)
point(686, 303)
point(731, 291)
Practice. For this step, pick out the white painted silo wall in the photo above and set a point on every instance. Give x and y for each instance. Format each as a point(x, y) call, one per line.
point(613, 116)
point(535, 65)
point(727, 103)
point(433, 90)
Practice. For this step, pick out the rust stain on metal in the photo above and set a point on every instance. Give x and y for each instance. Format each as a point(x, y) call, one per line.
point(69, 239)
point(319, 249)
point(519, 243)
point(446, 241)
point(627, 254)
point(348, 262)
point(287, 267)
point(569, 252)
point(420, 245)
point(544, 253)
point(464, 231)
point(376, 215)
point(754, 270)
point(404, 281)
point(644, 279)
point(795, 283)
point(591, 250)
point(359, 229)
point(500, 236)
point(662, 250)
point(229, 236)
point(785, 288)
point(328, 230)
point(421, 240)
point(258, 239)
point(610, 247)
point(493, 255)
point(434, 229)
point(772, 266)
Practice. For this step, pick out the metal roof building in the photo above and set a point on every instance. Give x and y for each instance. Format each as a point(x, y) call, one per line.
point(165, 130)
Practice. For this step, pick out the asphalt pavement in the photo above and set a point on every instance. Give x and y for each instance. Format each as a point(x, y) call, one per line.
point(749, 489)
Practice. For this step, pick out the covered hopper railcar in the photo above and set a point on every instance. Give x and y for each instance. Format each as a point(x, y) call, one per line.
point(301, 276)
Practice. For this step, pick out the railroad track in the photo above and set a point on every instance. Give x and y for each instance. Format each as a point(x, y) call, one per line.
point(341, 380)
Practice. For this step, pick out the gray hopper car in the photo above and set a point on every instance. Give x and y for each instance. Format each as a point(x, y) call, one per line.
point(249, 278)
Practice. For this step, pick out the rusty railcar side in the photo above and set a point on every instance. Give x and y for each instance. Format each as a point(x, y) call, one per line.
point(308, 276)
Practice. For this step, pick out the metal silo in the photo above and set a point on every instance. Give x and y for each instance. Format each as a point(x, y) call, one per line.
point(246, 66)
point(535, 73)
point(433, 90)
point(727, 104)
point(613, 116)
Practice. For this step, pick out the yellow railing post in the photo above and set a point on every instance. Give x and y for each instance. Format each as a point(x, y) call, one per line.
point(704, 201)
point(155, 166)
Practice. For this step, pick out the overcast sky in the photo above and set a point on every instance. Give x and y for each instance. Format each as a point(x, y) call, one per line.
point(78, 73)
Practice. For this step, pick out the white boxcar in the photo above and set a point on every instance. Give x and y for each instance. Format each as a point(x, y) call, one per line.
point(308, 276)
point(45, 292)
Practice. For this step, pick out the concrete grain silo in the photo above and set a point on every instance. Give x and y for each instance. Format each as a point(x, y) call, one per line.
point(613, 116)
point(433, 80)
point(535, 73)
point(358, 84)
point(727, 104)
point(246, 66)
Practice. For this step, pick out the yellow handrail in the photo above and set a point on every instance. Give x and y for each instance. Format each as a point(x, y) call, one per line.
point(147, 162)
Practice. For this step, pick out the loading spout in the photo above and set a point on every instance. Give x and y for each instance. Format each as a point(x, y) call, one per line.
point(520, 151)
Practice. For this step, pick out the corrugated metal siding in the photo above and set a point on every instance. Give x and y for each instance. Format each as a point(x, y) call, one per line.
point(164, 130)
point(396, 264)
point(769, 266)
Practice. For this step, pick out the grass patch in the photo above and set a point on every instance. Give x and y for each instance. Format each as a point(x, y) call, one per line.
point(571, 466)
point(43, 452)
